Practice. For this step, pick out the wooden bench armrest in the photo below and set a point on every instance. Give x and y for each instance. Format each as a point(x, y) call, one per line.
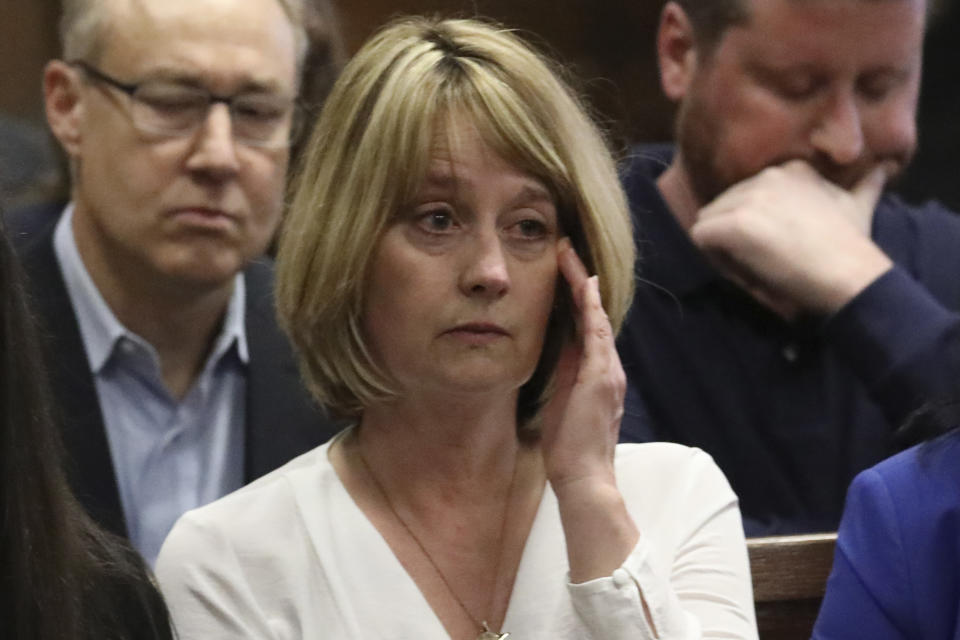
point(790, 567)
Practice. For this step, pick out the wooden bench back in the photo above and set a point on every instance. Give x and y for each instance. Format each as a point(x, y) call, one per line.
point(789, 579)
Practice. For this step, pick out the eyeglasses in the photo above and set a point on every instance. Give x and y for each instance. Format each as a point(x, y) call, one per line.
point(174, 109)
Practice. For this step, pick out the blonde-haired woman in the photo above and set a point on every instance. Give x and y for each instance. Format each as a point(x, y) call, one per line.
point(433, 273)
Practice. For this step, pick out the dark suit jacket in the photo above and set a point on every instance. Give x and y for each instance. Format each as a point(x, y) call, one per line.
point(282, 419)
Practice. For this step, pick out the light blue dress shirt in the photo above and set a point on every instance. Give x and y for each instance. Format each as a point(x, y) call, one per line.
point(169, 456)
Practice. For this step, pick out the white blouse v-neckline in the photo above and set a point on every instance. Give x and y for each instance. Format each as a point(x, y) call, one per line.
point(367, 565)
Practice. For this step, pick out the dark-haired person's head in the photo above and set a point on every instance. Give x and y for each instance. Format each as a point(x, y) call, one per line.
point(61, 577)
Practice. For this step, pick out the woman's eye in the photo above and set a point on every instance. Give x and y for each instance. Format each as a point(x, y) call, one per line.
point(436, 221)
point(530, 229)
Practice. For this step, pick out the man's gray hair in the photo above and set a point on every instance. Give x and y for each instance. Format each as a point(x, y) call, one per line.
point(84, 25)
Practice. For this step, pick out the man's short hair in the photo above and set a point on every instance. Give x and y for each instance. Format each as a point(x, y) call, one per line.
point(368, 156)
point(84, 25)
point(711, 18)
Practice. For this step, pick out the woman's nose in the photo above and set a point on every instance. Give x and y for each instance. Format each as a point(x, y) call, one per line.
point(484, 269)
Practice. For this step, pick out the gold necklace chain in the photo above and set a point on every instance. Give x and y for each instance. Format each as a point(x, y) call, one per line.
point(485, 632)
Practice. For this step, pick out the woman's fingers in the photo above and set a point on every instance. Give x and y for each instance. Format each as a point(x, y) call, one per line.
point(593, 325)
point(597, 335)
point(573, 271)
point(590, 384)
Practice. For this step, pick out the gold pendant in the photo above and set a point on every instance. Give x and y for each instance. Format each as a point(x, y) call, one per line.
point(486, 634)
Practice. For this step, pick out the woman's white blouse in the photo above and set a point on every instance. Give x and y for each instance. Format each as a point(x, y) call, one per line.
point(292, 556)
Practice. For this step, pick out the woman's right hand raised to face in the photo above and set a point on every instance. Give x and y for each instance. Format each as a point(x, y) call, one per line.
point(581, 421)
point(580, 426)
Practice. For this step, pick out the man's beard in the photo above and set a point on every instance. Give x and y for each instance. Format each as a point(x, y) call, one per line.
point(698, 136)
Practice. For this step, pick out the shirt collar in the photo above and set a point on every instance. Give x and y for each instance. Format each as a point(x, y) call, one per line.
point(100, 328)
point(668, 257)
point(234, 326)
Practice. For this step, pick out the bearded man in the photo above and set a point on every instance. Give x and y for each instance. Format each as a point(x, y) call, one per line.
point(791, 314)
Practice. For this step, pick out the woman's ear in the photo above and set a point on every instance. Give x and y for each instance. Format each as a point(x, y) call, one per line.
point(676, 51)
point(63, 104)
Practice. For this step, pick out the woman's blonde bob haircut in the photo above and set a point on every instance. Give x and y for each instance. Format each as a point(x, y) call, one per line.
point(368, 156)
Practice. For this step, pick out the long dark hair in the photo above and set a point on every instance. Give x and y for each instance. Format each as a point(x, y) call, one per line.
point(61, 576)
point(934, 419)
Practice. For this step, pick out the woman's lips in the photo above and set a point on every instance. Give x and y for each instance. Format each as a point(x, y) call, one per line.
point(478, 332)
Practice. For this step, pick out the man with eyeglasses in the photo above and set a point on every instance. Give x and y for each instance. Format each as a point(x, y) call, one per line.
point(173, 382)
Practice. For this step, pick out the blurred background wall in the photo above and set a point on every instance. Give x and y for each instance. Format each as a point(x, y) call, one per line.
point(608, 44)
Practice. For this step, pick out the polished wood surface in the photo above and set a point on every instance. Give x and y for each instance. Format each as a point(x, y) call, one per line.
point(789, 578)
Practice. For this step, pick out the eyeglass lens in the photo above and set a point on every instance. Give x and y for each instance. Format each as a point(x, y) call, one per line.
point(259, 119)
